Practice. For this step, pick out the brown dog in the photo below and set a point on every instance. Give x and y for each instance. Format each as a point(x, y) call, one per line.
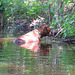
point(33, 36)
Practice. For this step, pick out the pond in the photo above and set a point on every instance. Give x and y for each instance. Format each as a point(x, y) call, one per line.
point(52, 58)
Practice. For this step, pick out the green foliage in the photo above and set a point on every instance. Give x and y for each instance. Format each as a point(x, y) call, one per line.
point(66, 20)
point(24, 8)
point(1, 7)
point(29, 9)
point(68, 25)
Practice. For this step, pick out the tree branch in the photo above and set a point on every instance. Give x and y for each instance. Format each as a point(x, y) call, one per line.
point(49, 14)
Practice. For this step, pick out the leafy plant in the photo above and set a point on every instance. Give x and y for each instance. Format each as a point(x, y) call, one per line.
point(29, 9)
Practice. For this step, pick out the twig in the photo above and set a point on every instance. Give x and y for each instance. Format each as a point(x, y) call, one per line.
point(71, 8)
point(58, 33)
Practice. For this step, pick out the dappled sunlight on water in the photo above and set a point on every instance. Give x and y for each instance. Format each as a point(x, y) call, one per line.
point(49, 59)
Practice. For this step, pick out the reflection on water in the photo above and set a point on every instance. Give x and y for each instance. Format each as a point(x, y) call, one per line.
point(49, 59)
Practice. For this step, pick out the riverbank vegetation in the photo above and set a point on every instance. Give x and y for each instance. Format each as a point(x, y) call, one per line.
point(20, 14)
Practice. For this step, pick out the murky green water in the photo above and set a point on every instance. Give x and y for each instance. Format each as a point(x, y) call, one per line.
point(50, 59)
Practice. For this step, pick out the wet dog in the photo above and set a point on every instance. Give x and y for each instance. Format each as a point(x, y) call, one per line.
point(33, 36)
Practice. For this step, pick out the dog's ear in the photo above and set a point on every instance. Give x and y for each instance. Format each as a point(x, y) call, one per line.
point(46, 29)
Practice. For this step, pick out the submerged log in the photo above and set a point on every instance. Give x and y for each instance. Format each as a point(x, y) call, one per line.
point(69, 41)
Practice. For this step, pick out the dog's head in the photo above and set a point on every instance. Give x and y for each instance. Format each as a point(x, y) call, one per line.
point(44, 30)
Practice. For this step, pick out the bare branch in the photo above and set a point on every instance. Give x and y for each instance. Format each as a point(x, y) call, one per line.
point(49, 14)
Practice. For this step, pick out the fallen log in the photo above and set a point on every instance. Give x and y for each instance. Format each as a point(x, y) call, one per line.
point(69, 41)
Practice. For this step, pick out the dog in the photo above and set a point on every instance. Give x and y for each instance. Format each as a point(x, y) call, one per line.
point(33, 36)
